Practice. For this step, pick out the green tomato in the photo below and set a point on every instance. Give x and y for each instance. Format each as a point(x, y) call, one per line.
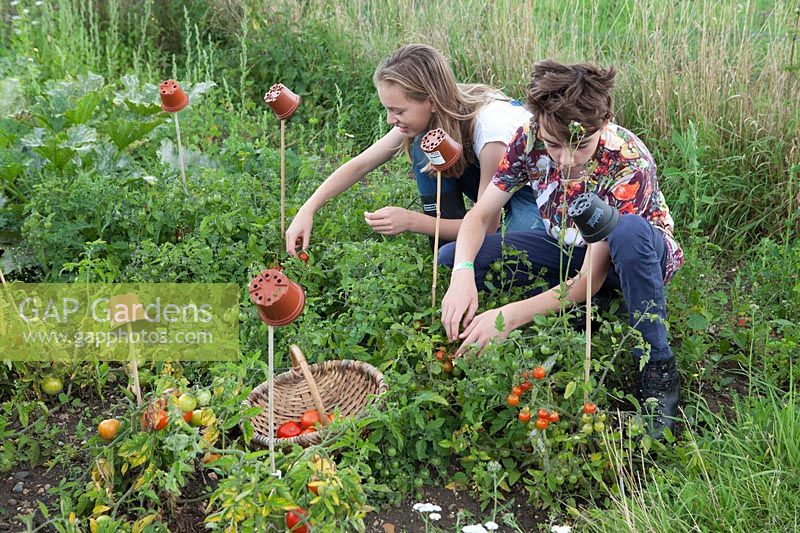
point(599, 426)
point(52, 386)
point(203, 397)
point(197, 418)
point(617, 328)
point(586, 418)
point(186, 403)
point(587, 428)
point(391, 452)
point(418, 482)
point(601, 417)
point(546, 349)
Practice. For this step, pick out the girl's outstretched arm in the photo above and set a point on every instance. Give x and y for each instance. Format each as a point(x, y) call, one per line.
point(340, 180)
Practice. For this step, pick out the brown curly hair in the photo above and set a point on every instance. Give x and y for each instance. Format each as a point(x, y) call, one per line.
point(560, 94)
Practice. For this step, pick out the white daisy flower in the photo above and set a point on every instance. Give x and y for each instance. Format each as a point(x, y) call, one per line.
point(491, 526)
point(560, 529)
point(477, 528)
point(434, 516)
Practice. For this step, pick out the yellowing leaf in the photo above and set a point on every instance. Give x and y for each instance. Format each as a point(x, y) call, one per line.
point(142, 523)
point(100, 509)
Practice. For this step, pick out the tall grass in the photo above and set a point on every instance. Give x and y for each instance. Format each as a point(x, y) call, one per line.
point(744, 476)
point(721, 66)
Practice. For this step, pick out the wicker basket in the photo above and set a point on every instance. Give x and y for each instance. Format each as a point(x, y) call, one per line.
point(346, 385)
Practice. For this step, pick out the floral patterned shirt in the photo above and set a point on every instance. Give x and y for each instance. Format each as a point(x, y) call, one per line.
point(621, 172)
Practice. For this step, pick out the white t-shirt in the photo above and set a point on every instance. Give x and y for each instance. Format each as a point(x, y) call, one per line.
point(497, 121)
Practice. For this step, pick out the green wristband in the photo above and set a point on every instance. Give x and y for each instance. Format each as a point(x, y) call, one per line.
point(462, 265)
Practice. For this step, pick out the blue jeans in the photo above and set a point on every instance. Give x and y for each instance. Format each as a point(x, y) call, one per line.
point(521, 211)
point(638, 263)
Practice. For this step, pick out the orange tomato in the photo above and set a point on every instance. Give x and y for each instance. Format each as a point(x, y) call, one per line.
point(107, 429)
point(512, 400)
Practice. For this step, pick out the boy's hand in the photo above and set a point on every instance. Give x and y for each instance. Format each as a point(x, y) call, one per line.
point(461, 300)
point(481, 330)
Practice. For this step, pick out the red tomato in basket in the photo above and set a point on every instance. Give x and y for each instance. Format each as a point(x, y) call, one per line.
point(309, 418)
point(289, 429)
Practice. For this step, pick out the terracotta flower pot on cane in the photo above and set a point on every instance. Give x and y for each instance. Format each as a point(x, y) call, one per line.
point(441, 149)
point(278, 299)
point(282, 101)
point(173, 99)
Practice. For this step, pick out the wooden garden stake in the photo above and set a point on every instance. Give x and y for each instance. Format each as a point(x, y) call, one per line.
point(137, 389)
point(436, 238)
point(588, 362)
point(283, 177)
point(270, 377)
point(180, 150)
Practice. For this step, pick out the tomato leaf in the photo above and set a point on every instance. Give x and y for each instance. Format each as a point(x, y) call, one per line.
point(570, 390)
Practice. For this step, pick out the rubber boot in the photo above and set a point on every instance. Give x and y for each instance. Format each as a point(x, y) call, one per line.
point(452, 207)
point(659, 391)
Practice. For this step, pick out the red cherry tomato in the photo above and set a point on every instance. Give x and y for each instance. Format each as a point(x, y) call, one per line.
point(589, 408)
point(553, 417)
point(161, 420)
point(516, 389)
point(526, 385)
point(512, 400)
point(524, 416)
point(295, 520)
point(302, 256)
point(543, 414)
point(541, 424)
point(309, 418)
point(288, 430)
point(539, 372)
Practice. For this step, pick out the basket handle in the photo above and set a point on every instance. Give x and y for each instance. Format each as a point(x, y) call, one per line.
point(299, 360)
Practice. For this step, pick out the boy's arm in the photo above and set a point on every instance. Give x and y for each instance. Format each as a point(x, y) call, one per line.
point(461, 299)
